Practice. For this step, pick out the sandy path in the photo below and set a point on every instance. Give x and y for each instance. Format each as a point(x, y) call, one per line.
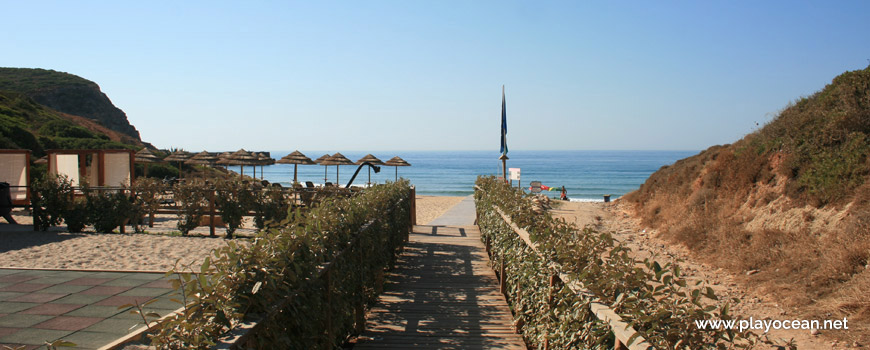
point(157, 250)
point(431, 207)
point(644, 243)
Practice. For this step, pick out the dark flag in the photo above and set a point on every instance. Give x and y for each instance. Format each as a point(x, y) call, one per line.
point(504, 147)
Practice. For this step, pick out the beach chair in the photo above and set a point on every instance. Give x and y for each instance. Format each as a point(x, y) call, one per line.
point(309, 184)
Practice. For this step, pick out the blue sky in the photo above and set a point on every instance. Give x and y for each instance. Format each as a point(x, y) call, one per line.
point(427, 75)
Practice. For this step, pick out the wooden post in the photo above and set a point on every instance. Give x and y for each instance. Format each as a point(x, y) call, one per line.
point(504, 159)
point(413, 206)
point(211, 213)
point(328, 308)
point(501, 285)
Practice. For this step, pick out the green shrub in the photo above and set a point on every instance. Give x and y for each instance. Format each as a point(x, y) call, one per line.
point(270, 205)
point(191, 197)
point(52, 196)
point(655, 300)
point(147, 202)
point(109, 209)
point(282, 265)
point(233, 198)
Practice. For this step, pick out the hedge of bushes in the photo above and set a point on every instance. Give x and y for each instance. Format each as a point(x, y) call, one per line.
point(56, 201)
point(655, 300)
point(283, 266)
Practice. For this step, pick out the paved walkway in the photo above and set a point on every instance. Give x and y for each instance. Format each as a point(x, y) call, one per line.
point(443, 293)
point(78, 306)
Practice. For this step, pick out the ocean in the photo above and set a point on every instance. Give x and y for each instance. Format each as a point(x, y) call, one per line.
point(586, 175)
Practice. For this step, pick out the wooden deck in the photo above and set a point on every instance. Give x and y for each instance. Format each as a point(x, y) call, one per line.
point(442, 294)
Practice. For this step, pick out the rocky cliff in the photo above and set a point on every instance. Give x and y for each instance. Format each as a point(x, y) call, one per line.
point(68, 94)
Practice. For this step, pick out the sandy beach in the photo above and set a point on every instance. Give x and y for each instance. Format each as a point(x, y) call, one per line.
point(157, 250)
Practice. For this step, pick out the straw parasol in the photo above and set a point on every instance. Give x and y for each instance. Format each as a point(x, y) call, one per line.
point(263, 159)
point(240, 158)
point(372, 160)
point(397, 162)
point(295, 158)
point(320, 161)
point(146, 157)
point(178, 156)
point(202, 158)
point(337, 160)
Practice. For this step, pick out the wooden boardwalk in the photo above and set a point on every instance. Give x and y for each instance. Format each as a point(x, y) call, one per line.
point(442, 294)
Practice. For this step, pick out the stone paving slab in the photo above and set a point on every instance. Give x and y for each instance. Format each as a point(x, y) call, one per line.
point(38, 306)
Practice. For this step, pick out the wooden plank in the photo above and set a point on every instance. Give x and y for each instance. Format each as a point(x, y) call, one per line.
point(442, 294)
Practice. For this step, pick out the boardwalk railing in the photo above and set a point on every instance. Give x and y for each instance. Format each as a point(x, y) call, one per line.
point(625, 335)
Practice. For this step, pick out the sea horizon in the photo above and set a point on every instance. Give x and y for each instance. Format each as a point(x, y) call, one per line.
point(587, 175)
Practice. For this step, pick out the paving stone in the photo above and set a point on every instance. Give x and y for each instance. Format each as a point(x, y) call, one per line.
point(4, 272)
point(17, 278)
point(88, 281)
point(91, 340)
point(80, 299)
point(96, 311)
point(8, 307)
point(146, 292)
point(64, 288)
point(32, 336)
point(52, 309)
point(68, 323)
point(9, 295)
point(105, 290)
point(115, 325)
point(38, 297)
point(165, 303)
point(119, 300)
point(19, 346)
point(160, 284)
point(4, 331)
point(21, 321)
point(127, 282)
point(24, 287)
point(110, 275)
point(57, 279)
point(145, 276)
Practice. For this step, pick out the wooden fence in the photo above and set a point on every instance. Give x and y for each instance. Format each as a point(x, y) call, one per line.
point(626, 336)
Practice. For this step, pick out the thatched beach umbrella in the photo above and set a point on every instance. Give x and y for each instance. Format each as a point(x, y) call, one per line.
point(203, 158)
point(320, 161)
point(397, 162)
point(240, 158)
point(263, 159)
point(295, 158)
point(145, 157)
point(337, 159)
point(372, 160)
point(178, 156)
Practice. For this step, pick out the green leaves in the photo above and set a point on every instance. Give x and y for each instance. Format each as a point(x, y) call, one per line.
point(275, 281)
point(653, 298)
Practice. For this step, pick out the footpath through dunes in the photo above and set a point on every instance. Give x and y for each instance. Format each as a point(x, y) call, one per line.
point(442, 294)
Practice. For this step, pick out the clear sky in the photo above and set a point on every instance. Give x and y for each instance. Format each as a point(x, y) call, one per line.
point(427, 75)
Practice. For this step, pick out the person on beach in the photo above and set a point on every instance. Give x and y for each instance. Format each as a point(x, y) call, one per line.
point(564, 194)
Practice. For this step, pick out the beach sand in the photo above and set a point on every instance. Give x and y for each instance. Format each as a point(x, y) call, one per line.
point(157, 250)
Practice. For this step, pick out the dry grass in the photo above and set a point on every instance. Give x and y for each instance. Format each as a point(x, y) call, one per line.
point(791, 201)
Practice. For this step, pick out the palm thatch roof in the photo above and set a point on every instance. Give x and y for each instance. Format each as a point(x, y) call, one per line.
point(396, 161)
point(178, 156)
point(371, 159)
point(295, 158)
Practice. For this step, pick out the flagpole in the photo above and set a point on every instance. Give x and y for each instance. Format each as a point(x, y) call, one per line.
point(504, 148)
